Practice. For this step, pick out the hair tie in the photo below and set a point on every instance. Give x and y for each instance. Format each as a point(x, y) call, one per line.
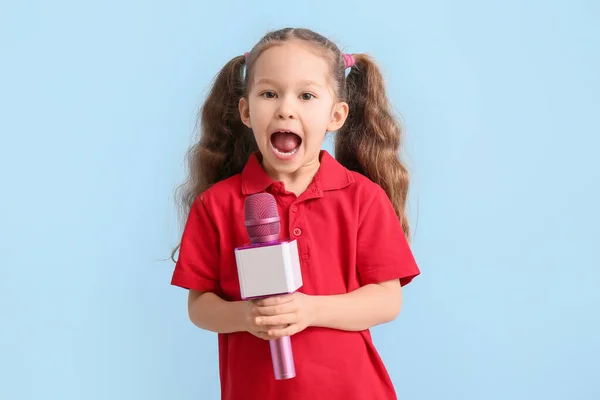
point(348, 60)
point(246, 55)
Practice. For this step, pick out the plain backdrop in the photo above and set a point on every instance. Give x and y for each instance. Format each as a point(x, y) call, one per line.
point(500, 104)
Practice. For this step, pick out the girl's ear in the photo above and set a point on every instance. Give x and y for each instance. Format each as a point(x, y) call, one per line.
point(244, 109)
point(339, 113)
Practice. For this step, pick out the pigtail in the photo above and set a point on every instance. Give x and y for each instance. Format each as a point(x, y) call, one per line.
point(225, 143)
point(369, 142)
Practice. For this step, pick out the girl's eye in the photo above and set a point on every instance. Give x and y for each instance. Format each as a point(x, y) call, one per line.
point(268, 95)
point(307, 96)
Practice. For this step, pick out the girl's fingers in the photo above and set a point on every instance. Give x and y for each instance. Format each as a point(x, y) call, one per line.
point(275, 320)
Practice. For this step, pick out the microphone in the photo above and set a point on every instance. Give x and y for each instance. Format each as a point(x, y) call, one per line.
point(269, 266)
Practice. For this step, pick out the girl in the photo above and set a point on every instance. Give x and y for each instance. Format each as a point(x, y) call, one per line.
point(263, 125)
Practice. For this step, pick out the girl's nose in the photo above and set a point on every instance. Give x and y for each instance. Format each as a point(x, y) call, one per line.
point(284, 115)
point(285, 110)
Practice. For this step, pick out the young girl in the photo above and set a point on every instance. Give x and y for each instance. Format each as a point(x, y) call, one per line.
point(263, 126)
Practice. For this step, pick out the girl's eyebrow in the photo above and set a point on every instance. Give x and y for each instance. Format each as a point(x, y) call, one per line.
point(268, 81)
point(311, 83)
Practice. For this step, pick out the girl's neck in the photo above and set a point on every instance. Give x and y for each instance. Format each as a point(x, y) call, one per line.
point(297, 181)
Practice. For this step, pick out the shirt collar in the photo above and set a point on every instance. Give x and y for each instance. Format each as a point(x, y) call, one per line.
point(331, 175)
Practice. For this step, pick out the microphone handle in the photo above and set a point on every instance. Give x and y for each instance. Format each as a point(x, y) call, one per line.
point(282, 358)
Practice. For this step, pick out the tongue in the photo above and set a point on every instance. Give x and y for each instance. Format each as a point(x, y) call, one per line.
point(285, 141)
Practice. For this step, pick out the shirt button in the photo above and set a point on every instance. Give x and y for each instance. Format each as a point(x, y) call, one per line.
point(294, 209)
point(297, 232)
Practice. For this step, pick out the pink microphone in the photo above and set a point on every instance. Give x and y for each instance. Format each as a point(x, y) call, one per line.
point(269, 266)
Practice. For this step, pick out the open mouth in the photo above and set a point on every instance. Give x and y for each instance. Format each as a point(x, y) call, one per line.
point(285, 143)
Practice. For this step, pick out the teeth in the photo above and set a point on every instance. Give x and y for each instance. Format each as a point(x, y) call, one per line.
point(283, 153)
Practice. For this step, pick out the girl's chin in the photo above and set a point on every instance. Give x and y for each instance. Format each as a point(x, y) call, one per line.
point(286, 164)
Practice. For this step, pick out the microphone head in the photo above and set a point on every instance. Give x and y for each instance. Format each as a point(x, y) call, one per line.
point(261, 218)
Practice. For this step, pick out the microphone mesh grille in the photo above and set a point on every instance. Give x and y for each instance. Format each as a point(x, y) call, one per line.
point(260, 206)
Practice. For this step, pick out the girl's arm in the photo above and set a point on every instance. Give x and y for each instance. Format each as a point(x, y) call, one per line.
point(210, 312)
point(370, 305)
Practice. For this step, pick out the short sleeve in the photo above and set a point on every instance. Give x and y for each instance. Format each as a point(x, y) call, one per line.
point(383, 253)
point(197, 266)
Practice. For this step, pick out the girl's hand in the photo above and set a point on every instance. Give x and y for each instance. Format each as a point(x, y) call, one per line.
point(285, 315)
point(251, 315)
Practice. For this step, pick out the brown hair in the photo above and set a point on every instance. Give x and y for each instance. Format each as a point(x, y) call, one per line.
point(369, 142)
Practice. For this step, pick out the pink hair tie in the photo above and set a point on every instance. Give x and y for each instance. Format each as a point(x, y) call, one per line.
point(246, 54)
point(348, 60)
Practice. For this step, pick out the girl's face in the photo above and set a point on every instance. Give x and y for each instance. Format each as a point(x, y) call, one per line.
point(291, 105)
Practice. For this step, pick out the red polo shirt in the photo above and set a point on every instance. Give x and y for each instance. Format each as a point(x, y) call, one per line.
point(348, 236)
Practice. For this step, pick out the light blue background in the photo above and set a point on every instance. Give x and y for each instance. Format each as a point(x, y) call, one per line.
point(500, 103)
